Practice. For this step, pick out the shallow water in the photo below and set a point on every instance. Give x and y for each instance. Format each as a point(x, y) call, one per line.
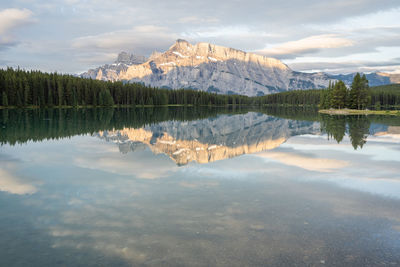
point(176, 187)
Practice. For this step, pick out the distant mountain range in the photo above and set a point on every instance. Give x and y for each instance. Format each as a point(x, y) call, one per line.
point(218, 69)
point(375, 78)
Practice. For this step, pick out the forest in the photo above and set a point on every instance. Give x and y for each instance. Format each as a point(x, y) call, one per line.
point(358, 96)
point(20, 88)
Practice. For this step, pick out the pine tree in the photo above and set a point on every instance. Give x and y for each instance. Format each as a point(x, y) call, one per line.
point(359, 93)
point(365, 97)
point(50, 98)
point(60, 93)
point(94, 99)
point(26, 93)
point(355, 92)
point(325, 97)
point(339, 95)
point(68, 95)
point(105, 98)
point(4, 99)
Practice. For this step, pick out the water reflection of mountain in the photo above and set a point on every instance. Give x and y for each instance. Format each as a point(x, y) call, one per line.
point(208, 140)
point(245, 133)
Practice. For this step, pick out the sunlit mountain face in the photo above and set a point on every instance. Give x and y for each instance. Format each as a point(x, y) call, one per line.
point(212, 68)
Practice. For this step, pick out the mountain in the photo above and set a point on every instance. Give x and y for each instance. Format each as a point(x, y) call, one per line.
point(219, 69)
point(393, 78)
point(212, 68)
point(375, 78)
point(111, 72)
point(210, 139)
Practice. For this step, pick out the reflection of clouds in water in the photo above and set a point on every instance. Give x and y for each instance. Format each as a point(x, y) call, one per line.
point(11, 182)
point(374, 169)
point(388, 187)
point(261, 222)
point(124, 166)
point(197, 184)
point(385, 138)
point(308, 163)
point(98, 155)
point(95, 154)
point(218, 171)
point(170, 230)
point(199, 215)
point(379, 148)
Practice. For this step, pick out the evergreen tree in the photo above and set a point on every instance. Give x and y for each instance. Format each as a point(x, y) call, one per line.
point(339, 95)
point(50, 98)
point(359, 93)
point(68, 93)
point(355, 92)
point(60, 93)
point(105, 98)
point(4, 99)
point(365, 97)
point(163, 99)
point(26, 93)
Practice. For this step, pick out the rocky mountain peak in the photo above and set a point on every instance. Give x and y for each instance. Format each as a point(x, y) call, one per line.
point(181, 46)
point(154, 55)
point(130, 59)
point(212, 68)
point(206, 52)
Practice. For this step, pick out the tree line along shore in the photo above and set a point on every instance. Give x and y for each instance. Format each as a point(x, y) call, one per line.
point(20, 88)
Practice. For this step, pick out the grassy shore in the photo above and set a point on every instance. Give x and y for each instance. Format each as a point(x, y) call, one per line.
point(359, 112)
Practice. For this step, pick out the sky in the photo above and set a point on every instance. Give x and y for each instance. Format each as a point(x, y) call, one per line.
point(71, 36)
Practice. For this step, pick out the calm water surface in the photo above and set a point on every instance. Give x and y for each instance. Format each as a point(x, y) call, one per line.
point(198, 187)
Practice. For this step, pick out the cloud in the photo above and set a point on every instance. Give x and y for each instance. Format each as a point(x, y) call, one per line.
point(143, 39)
point(238, 36)
point(260, 12)
point(85, 34)
point(198, 20)
point(347, 66)
point(11, 19)
point(307, 45)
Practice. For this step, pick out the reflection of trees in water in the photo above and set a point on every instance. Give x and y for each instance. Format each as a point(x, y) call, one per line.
point(20, 126)
point(334, 126)
point(357, 128)
point(23, 125)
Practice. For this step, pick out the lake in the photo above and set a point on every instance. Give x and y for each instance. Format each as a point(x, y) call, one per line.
point(198, 187)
